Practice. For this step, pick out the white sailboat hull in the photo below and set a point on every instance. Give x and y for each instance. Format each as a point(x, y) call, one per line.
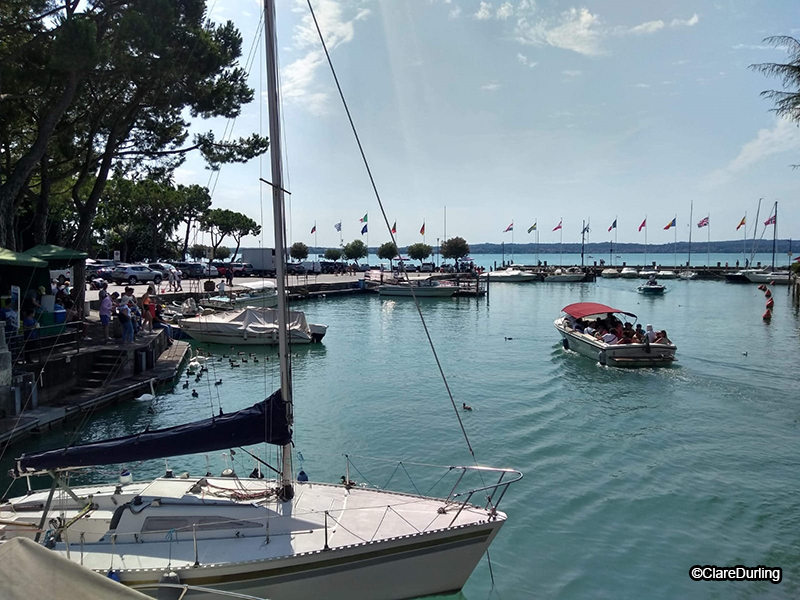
point(778, 278)
point(512, 277)
point(565, 278)
point(610, 274)
point(629, 273)
point(617, 355)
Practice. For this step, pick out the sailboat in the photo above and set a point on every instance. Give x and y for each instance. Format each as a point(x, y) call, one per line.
point(283, 538)
point(770, 276)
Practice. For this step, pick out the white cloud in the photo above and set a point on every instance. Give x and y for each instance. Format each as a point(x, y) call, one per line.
point(576, 29)
point(484, 11)
point(642, 85)
point(505, 11)
point(753, 47)
point(490, 87)
point(454, 13)
point(524, 60)
point(782, 137)
point(297, 78)
point(645, 28)
point(691, 22)
point(570, 73)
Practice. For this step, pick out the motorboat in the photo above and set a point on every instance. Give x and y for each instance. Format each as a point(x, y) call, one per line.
point(256, 293)
point(687, 275)
point(647, 273)
point(426, 288)
point(741, 275)
point(776, 277)
point(513, 276)
point(251, 326)
point(667, 275)
point(612, 355)
point(610, 273)
point(565, 275)
point(651, 287)
point(629, 273)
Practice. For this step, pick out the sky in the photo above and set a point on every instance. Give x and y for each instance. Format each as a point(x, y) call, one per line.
point(518, 111)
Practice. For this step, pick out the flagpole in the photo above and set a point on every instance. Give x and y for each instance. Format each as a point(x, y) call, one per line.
point(774, 234)
point(512, 240)
point(583, 240)
point(536, 222)
point(675, 246)
point(616, 237)
point(691, 224)
point(645, 240)
point(744, 237)
point(561, 242)
point(315, 240)
point(708, 247)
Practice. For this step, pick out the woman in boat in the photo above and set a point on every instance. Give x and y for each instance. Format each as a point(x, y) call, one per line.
point(661, 338)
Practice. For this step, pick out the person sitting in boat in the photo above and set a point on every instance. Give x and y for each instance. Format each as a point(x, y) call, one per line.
point(627, 337)
point(638, 334)
point(650, 334)
point(579, 326)
point(661, 338)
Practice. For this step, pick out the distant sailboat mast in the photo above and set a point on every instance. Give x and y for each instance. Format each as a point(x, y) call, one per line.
point(691, 223)
point(774, 233)
point(755, 231)
point(270, 38)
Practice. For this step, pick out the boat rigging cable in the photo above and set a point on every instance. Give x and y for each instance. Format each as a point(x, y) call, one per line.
point(389, 228)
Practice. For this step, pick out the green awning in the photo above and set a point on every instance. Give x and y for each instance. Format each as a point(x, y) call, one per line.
point(14, 259)
point(49, 252)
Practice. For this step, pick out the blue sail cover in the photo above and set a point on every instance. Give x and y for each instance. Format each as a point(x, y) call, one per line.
point(265, 421)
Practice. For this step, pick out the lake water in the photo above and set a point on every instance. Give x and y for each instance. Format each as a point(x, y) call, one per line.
point(631, 476)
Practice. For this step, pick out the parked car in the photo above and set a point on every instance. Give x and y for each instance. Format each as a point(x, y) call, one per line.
point(295, 269)
point(190, 270)
point(427, 267)
point(132, 274)
point(222, 267)
point(210, 270)
point(241, 269)
point(410, 267)
point(61, 275)
point(163, 268)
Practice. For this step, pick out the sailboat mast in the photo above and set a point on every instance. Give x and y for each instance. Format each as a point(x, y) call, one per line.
point(270, 38)
point(691, 223)
point(774, 234)
point(755, 231)
point(583, 239)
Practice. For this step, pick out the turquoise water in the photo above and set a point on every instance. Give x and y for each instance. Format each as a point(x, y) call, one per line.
point(631, 477)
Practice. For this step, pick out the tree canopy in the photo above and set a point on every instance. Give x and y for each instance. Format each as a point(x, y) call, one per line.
point(298, 251)
point(95, 90)
point(455, 248)
point(221, 223)
point(419, 251)
point(387, 251)
point(333, 254)
point(356, 250)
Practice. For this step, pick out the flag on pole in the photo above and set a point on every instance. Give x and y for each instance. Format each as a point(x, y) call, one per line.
point(741, 223)
point(394, 227)
point(364, 229)
point(509, 228)
point(703, 222)
point(314, 228)
point(557, 227)
point(585, 229)
point(670, 225)
point(613, 225)
point(363, 219)
point(532, 228)
point(643, 225)
point(771, 221)
point(422, 229)
point(338, 226)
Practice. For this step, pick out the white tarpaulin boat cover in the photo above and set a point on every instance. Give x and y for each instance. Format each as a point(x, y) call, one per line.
point(256, 321)
point(28, 570)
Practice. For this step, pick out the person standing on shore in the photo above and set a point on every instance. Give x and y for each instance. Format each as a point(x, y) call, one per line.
point(178, 285)
point(171, 279)
point(106, 307)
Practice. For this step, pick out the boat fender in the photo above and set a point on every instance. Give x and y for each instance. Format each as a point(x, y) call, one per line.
point(113, 575)
point(767, 316)
point(770, 303)
point(768, 294)
point(565, 342)
point(601, 357)
point(170, 593)
point(301, 476)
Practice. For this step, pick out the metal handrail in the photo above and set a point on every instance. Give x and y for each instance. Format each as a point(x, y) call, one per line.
point(194, 588)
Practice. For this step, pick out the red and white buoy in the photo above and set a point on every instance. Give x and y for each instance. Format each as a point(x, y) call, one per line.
point(767, 316)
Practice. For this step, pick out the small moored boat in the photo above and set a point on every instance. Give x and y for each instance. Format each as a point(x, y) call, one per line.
point(566, 276)
point(687, 275)
point(629, 273)
point(667, 275)
point(251, 326)
point(777, 277)
point(651, 287)
point(612, 355)
point(427, 288)
point(257, 293)
point(513, 276)
point(610, 273)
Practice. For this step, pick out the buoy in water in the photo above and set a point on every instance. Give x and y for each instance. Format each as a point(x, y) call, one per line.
point(768, 294)
point(770, 303)
point(767, 316)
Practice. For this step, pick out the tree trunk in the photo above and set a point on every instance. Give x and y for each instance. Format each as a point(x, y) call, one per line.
point(186, 239)
point(42, 206)
point(11, 188)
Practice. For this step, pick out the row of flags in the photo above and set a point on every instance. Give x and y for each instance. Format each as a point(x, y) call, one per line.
point(704, 222)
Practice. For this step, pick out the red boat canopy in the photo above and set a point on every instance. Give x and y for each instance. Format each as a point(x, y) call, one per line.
point(579, 310)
